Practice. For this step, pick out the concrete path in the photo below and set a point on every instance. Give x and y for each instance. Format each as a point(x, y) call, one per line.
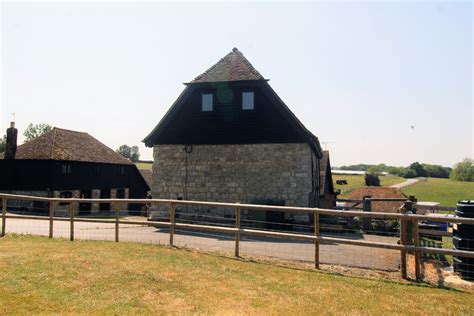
point(346, 255)
point(404, 184)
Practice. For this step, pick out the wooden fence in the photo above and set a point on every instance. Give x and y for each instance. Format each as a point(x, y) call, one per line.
point(405, 246)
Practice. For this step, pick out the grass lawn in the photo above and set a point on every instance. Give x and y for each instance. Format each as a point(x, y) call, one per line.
point(40, 275)
point(144, 165)
point(356, 181)
point(444, 191)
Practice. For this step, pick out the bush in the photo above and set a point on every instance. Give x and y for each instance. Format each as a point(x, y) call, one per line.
point(372, 180)
point(463, 171)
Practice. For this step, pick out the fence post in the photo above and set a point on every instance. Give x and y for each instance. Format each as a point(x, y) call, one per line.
point(367, 207)
point(117, 213)
point(403, 240)
point(172, 222)
point(4, 215)
point(237, 233)
point(51, 217)
point(71, 215)
point(416, 241)
point(316, 242)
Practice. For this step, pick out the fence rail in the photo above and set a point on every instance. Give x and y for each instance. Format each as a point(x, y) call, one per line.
point(409, 243)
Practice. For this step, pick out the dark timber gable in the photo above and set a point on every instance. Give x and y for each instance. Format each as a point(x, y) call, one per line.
point(271, 121)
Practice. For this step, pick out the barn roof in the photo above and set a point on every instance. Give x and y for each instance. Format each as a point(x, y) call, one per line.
point(232, 67)
point(63, 144)
point(380, 192)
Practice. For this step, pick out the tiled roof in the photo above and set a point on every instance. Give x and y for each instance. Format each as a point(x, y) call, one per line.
point(147, 176)
point(62, 144)
point(232, 67)
point(380, 192)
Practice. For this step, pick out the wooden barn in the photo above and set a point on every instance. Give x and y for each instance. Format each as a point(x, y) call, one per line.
point(229, 137)
point(65, 163)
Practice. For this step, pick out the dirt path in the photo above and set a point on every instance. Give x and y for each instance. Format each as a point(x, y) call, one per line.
point(404, 184)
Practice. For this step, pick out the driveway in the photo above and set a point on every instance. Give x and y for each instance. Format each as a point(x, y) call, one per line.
point(337, 254)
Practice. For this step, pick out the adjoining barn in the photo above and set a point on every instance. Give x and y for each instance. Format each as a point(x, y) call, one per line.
point(65, 163)
point(229, 137)
point(380, 192)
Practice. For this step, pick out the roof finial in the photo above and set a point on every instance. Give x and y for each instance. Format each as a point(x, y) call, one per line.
point(235, 50)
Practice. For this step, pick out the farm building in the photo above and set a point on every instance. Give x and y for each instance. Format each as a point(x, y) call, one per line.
point(230, 138)
point(64, 163)
point(380, 192)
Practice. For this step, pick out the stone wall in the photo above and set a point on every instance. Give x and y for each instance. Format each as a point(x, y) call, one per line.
point(249, 173)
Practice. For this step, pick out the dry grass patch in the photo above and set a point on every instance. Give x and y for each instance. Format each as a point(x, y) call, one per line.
point(41, 275)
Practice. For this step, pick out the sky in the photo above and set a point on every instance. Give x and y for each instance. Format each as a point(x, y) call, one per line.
point(377, 82)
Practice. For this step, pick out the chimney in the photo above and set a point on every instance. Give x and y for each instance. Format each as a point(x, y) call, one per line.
point(10, 149)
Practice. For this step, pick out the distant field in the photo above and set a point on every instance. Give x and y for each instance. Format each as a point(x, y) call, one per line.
point(444, 191)
point(356, 181)
point(53, 276)
point(144, 165)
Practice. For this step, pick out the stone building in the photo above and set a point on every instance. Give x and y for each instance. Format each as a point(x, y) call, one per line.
point(68, 164)
point(230, 138)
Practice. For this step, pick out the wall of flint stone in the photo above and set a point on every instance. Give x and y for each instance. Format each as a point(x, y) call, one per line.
point(232, 173)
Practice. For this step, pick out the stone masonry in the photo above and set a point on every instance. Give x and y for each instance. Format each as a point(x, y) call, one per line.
point(233, 173)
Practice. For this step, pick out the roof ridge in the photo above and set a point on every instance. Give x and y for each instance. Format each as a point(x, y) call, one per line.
point(234, 75)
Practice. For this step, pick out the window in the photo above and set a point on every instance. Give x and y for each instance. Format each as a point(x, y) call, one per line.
point(66, 168)
point(247, 100)
point(207, 102)
point(65, 195)
point(120, 194)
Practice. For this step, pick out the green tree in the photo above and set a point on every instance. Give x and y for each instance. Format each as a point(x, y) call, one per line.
point(125, 151)
point(372, 180)
point(35, 130)
point(463, 171)
point(408, 173)
point(134, 153)
point(418, 168)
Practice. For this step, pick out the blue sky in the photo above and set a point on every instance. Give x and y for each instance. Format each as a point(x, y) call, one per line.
point(358, 75)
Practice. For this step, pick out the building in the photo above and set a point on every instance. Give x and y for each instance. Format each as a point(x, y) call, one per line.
point(379, 192)
point(64, 163)
point(229, 137)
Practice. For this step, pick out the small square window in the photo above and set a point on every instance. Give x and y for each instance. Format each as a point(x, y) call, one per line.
point(247, 101)
point(207, 102)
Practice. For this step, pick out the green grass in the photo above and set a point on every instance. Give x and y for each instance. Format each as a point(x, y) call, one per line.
point(357, 181)
point(45, 276)
point(444, 191)
point(144, 165)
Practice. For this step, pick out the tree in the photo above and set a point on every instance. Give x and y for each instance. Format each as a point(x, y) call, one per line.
point(408, 173)
point(128, 152)
point(3, 143)
point(372, 180)
point(35, 130)
point(125, 151)
point(134, 153)
point(418, 168)
point(436, 171)
point(463, 171)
